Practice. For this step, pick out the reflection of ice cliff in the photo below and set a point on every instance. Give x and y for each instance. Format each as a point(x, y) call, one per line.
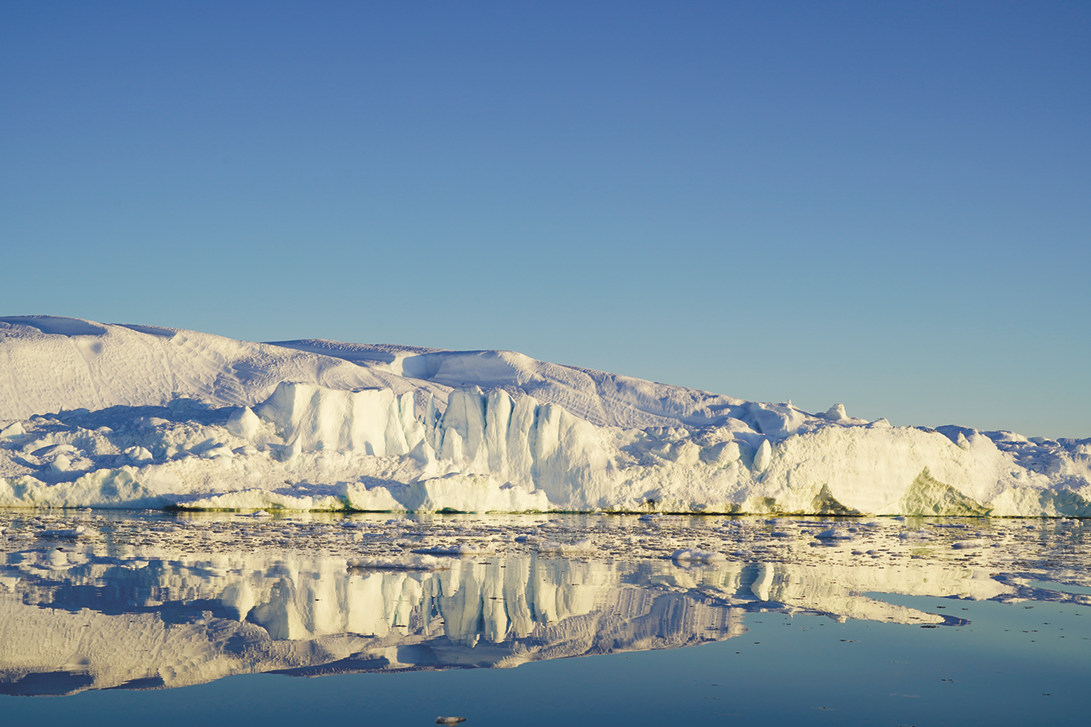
point(71, 621)
point(182, 418)
point(103, 622)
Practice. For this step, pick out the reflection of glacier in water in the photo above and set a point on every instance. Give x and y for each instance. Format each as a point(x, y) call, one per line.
point(78, 614)
point(110, 622)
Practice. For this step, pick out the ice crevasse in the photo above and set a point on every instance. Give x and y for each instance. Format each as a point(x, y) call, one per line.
point(365, 433)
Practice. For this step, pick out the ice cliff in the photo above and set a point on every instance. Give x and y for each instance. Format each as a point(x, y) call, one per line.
point(106, 415)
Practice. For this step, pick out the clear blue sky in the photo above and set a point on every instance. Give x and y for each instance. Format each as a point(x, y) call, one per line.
point(882, 204)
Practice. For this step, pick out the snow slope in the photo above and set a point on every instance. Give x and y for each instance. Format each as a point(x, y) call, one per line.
point(134, 416)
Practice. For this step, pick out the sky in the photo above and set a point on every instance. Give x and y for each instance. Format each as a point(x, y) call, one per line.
point(885, 205)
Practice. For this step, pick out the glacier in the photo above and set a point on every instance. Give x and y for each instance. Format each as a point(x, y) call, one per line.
point(124, 416)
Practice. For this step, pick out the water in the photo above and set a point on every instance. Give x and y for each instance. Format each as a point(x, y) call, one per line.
point(218, 619)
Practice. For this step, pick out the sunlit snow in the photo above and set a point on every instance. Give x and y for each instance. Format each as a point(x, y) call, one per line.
point(104, 415)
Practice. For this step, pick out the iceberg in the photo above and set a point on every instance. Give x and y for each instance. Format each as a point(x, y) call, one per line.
point(124, 416)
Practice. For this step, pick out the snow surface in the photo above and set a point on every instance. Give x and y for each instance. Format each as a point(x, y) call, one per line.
point(106, 415)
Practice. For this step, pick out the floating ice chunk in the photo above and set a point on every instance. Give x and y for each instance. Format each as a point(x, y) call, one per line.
point(450, 720)
point(462, 549)
point(659, 520)
point(416, 563)
point(580, 546)
point(693, 555)
point(833, 534)
point(76, 532)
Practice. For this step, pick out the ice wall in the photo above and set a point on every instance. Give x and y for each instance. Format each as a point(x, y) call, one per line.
point(312, 418)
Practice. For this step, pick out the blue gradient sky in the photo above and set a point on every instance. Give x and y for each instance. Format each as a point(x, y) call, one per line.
point(881, 204)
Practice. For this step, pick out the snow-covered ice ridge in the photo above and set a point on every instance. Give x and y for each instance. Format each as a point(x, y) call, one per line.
point(105, 415)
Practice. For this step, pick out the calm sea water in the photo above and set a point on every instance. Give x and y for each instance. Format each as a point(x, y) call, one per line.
point(210, 620)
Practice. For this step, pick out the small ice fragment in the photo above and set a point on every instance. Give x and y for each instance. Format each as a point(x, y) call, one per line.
point(965, 544)
point(77, 532)
point(580, 546)
point(699, 556)
point(833, 534)
point(463, 549)
point(450, 720)
point(419, 563)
